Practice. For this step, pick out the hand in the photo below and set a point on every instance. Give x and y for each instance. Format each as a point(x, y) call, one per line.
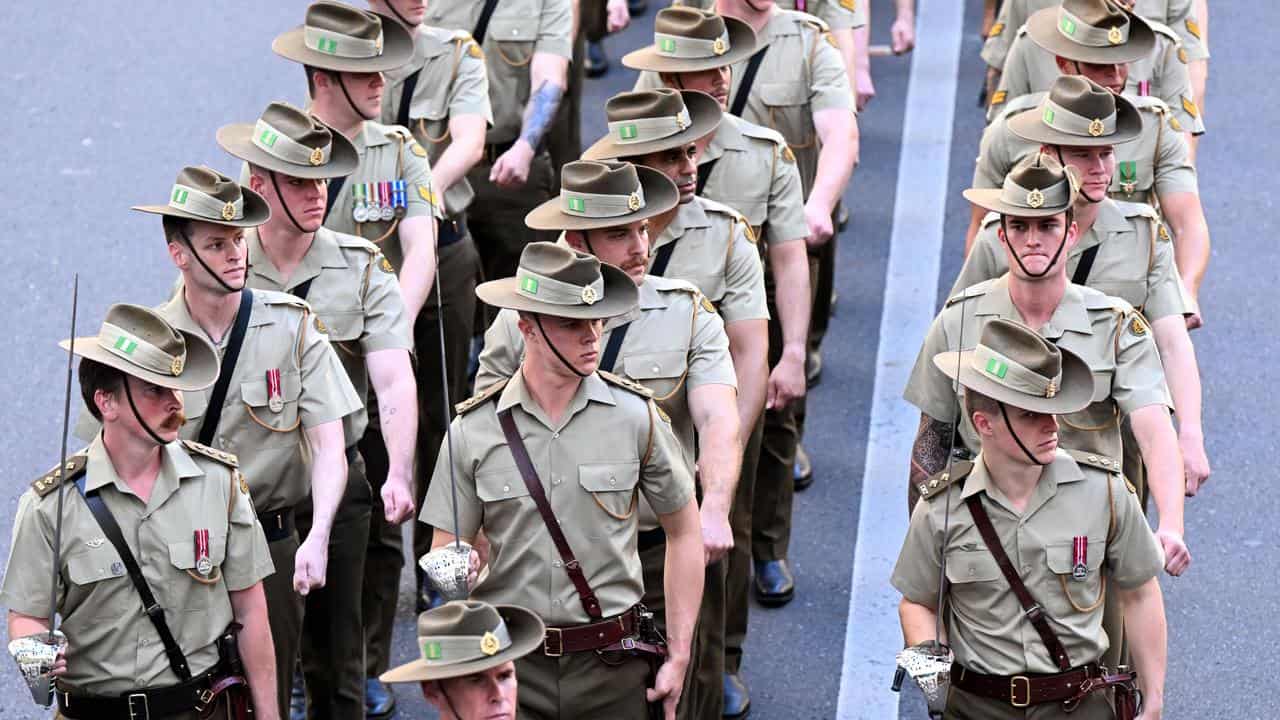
point(473, 568)
point(59, 663)
point(1195, 321)
point(1177, 558)
point(717, 536)
point(864, 87)
point(1195, 463)
point(310, 563)
point(903, 33)
point(397, 499)
point(786, 382)
point(511, 171)
point(667, 687)
point(618, 16)
point(819, 222)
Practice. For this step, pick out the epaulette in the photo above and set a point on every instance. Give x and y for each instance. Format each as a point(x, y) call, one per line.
point(1137, 209)
point(1098, 300)
point(812, 21)
point(464, 41)
point(478, 399)
point(991, 218)
point(226, 458)
point(1165, 30)
point(397, 132)
point(1019, 104)
point(356, 242)
point(760, 132)
point(462, 35)
point(626, 383)
point(1101, 462)
point(272, 297)
point(51, 479)
point(665, 284)
point(971, 292)
point(941, 481)
point(1150, 103)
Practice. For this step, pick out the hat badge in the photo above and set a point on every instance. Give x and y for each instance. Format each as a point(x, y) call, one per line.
point(633, 202)
point(1096, 128)
point(719, 47)
point(489, 644)
point(589, 295)
point(681, 123)
point(1114, 36)
point(317, 156)
point(176, 365)
point(228, 211)
point(1051, 390)
point(1035, 198)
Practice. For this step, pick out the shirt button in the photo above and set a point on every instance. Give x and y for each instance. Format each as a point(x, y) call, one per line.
point(613, 480)
point(506, 488)
point(555, 435)
point(656, 368)
point(555, 564)
point(1026, 568)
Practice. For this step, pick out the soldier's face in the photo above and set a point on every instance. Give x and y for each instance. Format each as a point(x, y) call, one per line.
point(1111, 76)
point(487, 695)
point(1037, 431)
point(1034, 242)
point(411, 11)
point(221, 248)
point(305, 199)
point(743, 9)
point(160, 408)
point(1096, 165)
point(714, 82)
point(679, 164)
point(365, 90)
point(625, 247)
point(577, 341)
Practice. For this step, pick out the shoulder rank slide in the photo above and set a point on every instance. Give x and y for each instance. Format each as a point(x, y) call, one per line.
point(626, 383)
point(478, 399)
point(226, 458)
point(1094, 460)
point(51, 479)
point(941, 481)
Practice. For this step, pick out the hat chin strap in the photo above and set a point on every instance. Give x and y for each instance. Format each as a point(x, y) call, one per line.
point(440, 683)
point(1004, 413)
point(1058, 149)
point(537, 319)
point(192, 247)
point(408, 26)
point(284, 203)
point(343, 84)
point(138, 416)
point(1061, 246)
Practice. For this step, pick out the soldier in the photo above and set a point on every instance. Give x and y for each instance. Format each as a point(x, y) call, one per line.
point(1136, 56)
point(586, 444)
point(1154, 168)
point(675, 345)
point(282, 387)
point(1071, 520)
point(442, 95)
point(1035, 202)
point(1122, 250)
point(467, 669)
point(354, 293)
point(527, 45)
point(156, 494)
point(729, 172)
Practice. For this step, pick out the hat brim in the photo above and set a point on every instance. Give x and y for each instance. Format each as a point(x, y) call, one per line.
point(705, 114)
point(989, 199)
point(397, 50)
point(256, 211)
point(742, 43)
point(1074, 395)
point(1029, 126)
point(237, 139)
point(527, 635)
point(200, 369)
point(1042, 26)
point(660, 196)
point(620, 296)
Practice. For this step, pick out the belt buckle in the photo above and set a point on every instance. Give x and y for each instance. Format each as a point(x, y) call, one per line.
point(205, 697)
point(1013, 691)
point(628, 643)
point(134, 714)
point(558, 634)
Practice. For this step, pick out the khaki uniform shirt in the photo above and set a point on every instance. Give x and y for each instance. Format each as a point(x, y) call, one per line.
point(610, 445)
point(354, 293)
point(1157, 163)
point(772, 202)
point(986, 625)
point(112, 647)
point(1134, 262)
point(517, 30)
point(387, 153)
point(1030, 68)
point(838, 14)
point(1106, 332)
point(284, 335)
point(1175, 14)
point(452, 82)
point(715, 250)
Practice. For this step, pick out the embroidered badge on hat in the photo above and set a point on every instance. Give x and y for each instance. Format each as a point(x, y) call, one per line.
point(175, 367)
point(317, 156)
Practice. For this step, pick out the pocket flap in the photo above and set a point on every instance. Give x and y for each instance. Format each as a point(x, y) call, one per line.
point(254, 391)
point(497, 485)
point(1058, 556)
point(609, 477)
point(773, 93)
point(182, 554)
point(513, 30)
point(653, 365)
point(343, 324)
point(94, 564)
point(966, 566)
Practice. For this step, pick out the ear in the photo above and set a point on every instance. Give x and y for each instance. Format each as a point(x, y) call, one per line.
point(1064, 65)
point(1073, 235)
point(178, 254)
point(525, 325)
point(982, 424)
point(577, 239)
point(105, 401)
point(431, 691)
point(257, 182)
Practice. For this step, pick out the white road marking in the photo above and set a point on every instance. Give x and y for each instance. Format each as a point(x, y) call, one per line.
point(872, 635)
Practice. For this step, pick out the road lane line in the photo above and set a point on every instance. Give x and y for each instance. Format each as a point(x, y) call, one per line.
point(872, 636)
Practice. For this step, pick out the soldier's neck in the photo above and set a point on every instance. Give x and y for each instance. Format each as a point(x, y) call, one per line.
point(1015, 477)
point(755, 18)
point(135, 460)
point(1085, 213)
point(341, 117)
point(285, 246)
point(213, 311)
point(1037, 300)
point(552, 391)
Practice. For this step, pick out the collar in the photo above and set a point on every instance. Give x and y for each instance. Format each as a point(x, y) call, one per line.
point(368, 137)
point(782, 23)
point(175, 465)
point(1109, 220)
point(1061, 471)
point(1070, 315)
point(323, 253)
point(592, 388)
point(728, 136)
point(650, 299)
point(692, 214)
point(176, 312)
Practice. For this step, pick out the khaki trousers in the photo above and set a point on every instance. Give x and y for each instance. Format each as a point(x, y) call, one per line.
point(738, 562)
point(582, 685)
point(284, 615)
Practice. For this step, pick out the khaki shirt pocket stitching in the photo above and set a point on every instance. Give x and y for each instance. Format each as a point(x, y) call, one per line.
point(613, 486)
point(669, 366)
point(254, 395)
point(514, 40)
point(182, 556)
point(500, 485)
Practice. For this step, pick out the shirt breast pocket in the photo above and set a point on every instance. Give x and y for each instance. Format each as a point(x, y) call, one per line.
point(182, 555)
point(99, 583)
point(505, 499)
point(1080, 591)
point(513, 39)
point(787, 105)
point(662, 372)
point(613, 486)
point(277, 416)
point(976, 581)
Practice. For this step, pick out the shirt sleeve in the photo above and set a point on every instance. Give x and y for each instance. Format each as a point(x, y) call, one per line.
point(1182, 19)
point(1133, 555)
point(469, 94)
point(327, 393)
point(665, 478)
point(503, 348)
point(1164, 296)
point(928, 388)
point(829, 80)
point(709, 360)
point(1175, 86)
point(981, 263)
point(386, 323)
point(437, 507)
point(994, 161)
point(785, 220)
point(1174, 172)
point(248, 559)
point(1139, 375)
point(843, 14)
point(744, 297)
point(1005, 28)
point(421, 197)
point(1015, 81)
point(647, 80)
point(26, 578)
point(915, 575)
point(555, 28)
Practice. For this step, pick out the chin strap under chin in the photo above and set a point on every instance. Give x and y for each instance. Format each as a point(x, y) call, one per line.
point(138, 415)
point(537, 319)
point(343, 84)
point(1062, 244)
point(280, 196)
point(194, 253)
point(1005, 414)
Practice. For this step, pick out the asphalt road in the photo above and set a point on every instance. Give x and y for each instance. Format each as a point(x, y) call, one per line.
point(105, 101)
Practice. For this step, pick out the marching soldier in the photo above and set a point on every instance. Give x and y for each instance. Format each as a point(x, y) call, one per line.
point(1075, 527)
point(549, 465)
point(675, 345)
point(354, 293)
point(178, 522)
point(467, 667)
point(1153, 168)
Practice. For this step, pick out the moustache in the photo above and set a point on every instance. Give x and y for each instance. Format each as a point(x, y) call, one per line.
point(174, 421)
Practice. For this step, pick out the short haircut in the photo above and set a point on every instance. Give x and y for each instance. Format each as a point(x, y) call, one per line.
point(176, 230)
point(95, 376)
point(311, 77)
point(975, 401)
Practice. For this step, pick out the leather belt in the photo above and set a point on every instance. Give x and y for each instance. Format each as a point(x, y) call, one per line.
point(276, 524)
point(452, 230)
point(613, 634)
point(142, 704)
point(1024, 690)
point(492, 151)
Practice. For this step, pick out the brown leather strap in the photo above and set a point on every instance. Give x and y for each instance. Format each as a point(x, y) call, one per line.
point(1029, 689)
point(592, 636)
point(1030, 607)
point(531, 481)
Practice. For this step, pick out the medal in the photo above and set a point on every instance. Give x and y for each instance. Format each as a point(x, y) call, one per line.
point(399, 197)
point(384, 195)
point(1079, 557)
point(204, 565)
point(275, 396)
point(1144, 88)
point(358, 212)
point(375, 212)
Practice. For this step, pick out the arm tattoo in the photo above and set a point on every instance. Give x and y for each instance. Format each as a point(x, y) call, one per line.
point(540, 112)
point(928, 454)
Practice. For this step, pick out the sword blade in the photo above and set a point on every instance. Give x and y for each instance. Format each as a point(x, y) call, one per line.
point(62, 463)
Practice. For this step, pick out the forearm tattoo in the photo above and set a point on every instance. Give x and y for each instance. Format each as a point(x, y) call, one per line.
point(539, 113)
point(928, 454)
